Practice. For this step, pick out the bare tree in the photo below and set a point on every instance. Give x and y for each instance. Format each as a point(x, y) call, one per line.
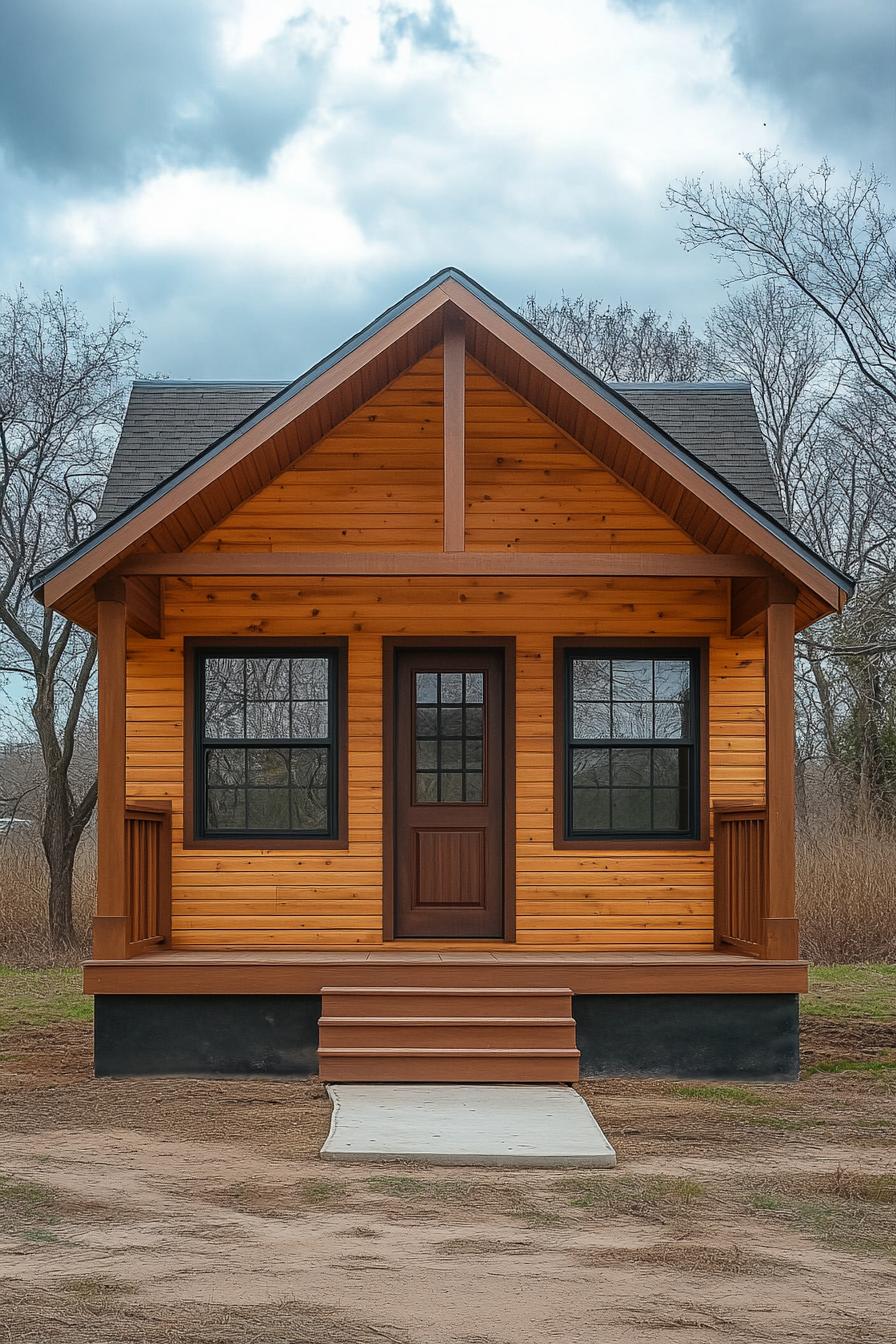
point(832, 244)
point(812, 326)
point(62, 391)
point(771, 337)
point(620, 343)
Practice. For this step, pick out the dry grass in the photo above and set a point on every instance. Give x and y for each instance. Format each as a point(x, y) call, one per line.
point(24, 939)
point(846, 893)
point(689, 1257)
point(46, 1315)
point(846, 896)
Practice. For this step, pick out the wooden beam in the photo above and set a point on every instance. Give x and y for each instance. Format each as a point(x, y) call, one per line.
point(110, 927)
point(143, 600)
point(453, 472)
point(359, 564)
point(750, 599)
point(306, 972)
point(782, 930)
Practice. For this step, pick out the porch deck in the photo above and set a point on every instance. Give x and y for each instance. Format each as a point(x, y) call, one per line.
point(171, 971)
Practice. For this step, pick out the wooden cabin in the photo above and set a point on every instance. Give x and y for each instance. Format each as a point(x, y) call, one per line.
point(446, 723)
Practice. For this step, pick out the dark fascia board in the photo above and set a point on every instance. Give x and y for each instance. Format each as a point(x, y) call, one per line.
point(590, 380)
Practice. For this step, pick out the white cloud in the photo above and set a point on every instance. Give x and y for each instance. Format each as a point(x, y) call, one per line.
point(535, 156)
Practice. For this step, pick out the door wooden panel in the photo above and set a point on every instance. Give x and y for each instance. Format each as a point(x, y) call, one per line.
point(449, 793)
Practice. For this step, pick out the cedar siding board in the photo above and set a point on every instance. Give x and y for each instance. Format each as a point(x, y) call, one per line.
point(571, 899)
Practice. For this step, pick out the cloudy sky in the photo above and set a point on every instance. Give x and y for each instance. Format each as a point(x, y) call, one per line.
point(255, 179)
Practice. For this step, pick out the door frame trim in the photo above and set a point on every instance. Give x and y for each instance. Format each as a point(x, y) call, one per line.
point(392, 644)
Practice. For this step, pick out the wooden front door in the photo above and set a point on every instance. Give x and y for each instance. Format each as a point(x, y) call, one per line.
point(449, 793)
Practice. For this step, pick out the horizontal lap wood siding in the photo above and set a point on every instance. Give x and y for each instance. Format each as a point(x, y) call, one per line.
point(530, 487)
point(621, 900)
point(373, 483)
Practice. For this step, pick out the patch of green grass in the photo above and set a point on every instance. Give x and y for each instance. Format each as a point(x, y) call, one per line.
point(402, 1187)
point(95, 1287)
point(28, 1209)
point(852, 1210)
point(316, 1191)
point(635, 1197)
point(851, 1066)
point(718, 1092)
point(41, 998)
point(839, 993)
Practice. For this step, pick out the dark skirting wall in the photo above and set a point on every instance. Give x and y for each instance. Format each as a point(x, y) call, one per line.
point(721, 1036)
point(225, 1035)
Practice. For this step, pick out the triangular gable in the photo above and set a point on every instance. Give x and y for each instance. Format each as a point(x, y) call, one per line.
point(710, 510)
point(375, 482)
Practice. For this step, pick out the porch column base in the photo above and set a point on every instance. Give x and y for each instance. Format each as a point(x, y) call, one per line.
point(110, 936)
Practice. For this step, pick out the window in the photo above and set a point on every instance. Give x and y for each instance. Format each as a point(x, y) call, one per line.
point(266, 723)
point(448, 729)
point(630, 744)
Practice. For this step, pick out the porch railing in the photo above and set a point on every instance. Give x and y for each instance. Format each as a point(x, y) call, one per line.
point(741, 878)
point(147, 850)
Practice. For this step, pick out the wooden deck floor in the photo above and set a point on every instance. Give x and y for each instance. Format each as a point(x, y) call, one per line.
point(307, 972)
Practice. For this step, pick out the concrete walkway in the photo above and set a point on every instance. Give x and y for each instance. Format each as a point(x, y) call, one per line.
point(469, 1124)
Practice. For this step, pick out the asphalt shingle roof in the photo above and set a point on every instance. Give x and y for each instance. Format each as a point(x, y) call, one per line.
point(168, 423)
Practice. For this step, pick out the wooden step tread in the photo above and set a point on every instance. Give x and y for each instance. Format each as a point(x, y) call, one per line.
point(448, 991)
point(331, 1021)
point(369, 1051)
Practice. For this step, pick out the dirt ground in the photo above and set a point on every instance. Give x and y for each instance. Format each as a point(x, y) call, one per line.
point(159, 1210)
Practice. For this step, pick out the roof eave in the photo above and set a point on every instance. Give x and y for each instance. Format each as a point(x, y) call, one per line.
point(445, 281)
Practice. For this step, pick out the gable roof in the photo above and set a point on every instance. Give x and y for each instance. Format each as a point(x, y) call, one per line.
point(605, 420)
point(168, 423)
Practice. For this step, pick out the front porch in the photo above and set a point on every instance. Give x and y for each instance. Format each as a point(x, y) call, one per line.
point(173, 972)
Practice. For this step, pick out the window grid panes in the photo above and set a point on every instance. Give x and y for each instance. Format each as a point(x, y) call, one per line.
point(448, 736)
point(631, 744)
point(266, 743)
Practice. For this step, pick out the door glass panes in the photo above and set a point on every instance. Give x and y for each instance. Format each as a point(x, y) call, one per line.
point(448, 737)
point(266, 743)
point(631, 745)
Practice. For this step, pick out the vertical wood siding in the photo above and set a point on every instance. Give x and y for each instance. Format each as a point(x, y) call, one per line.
point(648, 900)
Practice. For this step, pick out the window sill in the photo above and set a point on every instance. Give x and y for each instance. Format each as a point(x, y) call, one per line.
point(599, 845)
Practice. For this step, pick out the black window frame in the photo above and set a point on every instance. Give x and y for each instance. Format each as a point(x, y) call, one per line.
point(335, 743)
point(696, 834)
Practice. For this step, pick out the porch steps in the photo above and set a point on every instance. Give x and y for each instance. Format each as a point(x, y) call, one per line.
point(421, 1034)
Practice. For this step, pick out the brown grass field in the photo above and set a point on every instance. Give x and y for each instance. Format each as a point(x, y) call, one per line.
point(846, 896)
point(142, 1211)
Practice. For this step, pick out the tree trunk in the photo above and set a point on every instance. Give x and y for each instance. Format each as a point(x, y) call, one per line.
point(62, 928)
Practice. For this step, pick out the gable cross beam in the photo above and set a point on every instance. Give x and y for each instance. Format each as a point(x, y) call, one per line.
point(453, 470)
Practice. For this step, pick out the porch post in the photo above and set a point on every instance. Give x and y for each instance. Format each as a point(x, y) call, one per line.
point(111, 924)
point(781, 927)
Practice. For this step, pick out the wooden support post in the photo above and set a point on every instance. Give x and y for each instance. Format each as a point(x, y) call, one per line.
point(454, 488)
point(111, 924)
point(782, 930)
